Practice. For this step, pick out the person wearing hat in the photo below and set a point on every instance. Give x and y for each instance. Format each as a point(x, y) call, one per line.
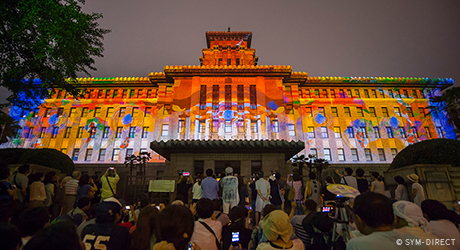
point(106, 233)
point(418, 195)
point(278, 230)
point(229, 190)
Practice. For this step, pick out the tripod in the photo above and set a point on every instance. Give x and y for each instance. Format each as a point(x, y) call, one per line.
point(341, 218)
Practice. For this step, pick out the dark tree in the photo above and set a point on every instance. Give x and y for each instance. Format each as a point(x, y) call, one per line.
point(51, 40)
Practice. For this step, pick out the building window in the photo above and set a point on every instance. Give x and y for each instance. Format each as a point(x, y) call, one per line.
point(440, 132)
point(427, 132)
point(119, 132)
point(145, 132)
point(80, 132)
point(181, 126)
point(349, 95)
point(115, 93)
point(135, 111)
point(341, 93)
point(122, 111)
point(376, 132)
point(390, 93)
point(116, 154)
point(410, 112)
point(165, 129)
point(354, 154)
point(149, 93)
point(372, 112)
point(321, 111)
point(132, 132)
point(366, 93)
point(92, 132)
point(275, 126)
point(84, 112)
point(228, 127)
point(291, 129)
point(228, 96)
point(124, 94)
point(374, 93)
point(332, 93)
point(100, 93)
point(422, 111)
point(398, 94)
point(97, 112)
point(55, 132)
point(105, 133)
point(307, 94)
point(75, 153)
point(381, 154)
point(337, 132)
point(229, 61)
point(89, 154)
point(334, 112)
point(406, 95)
point(397, 111)
point(42, 132)
point(414, 93)
point(147, 111)
point(414, 131)
point(316, 91)
point(240, 96)
point(308, 111)
point(350, 132)
point(385, 112)
point(327, 154)
point(67, 132)
point(390, 132)
point(60, 111)
point(101, 156)
point(109, 112)
point(314, 152)
point(107, 93)
point(253, 96)
point(347, 111)
point(367, 153)
point(324, 132)
point(215, 96)
point(237, 61)
point(382, 93)
point(325, 93)
point(357, 93)
point(311, 132)
point(340, 154)
point(132, 92)
point(394, 152)
point(202, 127)
point(203, 97)
point(129, 152)
point(359, 110)
point(363, 132)
point(47, 112)
point(402, 132)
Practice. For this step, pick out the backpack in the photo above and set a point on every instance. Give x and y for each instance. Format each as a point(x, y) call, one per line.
point(290, 192)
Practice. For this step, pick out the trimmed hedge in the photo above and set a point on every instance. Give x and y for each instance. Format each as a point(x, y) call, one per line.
point(436, 151)
point(47, 157)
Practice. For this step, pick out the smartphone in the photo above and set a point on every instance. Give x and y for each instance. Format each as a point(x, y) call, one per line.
point(111, 168)
point(235, 237)
point(291, 175)
point(341, 196)
point(185, 174)
point(458, 201)
point(190, 246)
point(158, 207)
point(326, 209)
point(127, 208)
point(248, 208)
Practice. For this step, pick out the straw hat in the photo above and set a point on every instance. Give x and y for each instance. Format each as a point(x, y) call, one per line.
point(413, 177)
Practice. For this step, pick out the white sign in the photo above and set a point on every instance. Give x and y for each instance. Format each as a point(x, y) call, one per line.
point(165, 186)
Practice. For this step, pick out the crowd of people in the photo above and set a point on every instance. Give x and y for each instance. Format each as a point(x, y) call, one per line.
point(40, 211)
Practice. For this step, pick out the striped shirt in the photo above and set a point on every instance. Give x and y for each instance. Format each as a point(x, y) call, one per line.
point(71, 187)
point(299, 231)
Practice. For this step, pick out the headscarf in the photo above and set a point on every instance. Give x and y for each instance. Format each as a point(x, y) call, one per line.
point(412, 213)
point(277, 225)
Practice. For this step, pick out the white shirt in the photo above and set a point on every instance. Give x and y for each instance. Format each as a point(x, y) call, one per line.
point(297, 245)
point(445, 229)
point(401, 193)
point(37, 191)
point(71, 187)
point(197, 191)
point(350, 181)
point(203, 238)
point(383, 241)
point(262, 185)
point(420, 194)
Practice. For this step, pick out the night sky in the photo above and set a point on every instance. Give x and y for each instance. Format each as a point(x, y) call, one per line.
point(412, 38)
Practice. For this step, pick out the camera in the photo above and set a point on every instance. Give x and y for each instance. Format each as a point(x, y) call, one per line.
point(127, 208)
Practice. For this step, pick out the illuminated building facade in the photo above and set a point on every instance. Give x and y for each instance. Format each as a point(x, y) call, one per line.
point(346, 120)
